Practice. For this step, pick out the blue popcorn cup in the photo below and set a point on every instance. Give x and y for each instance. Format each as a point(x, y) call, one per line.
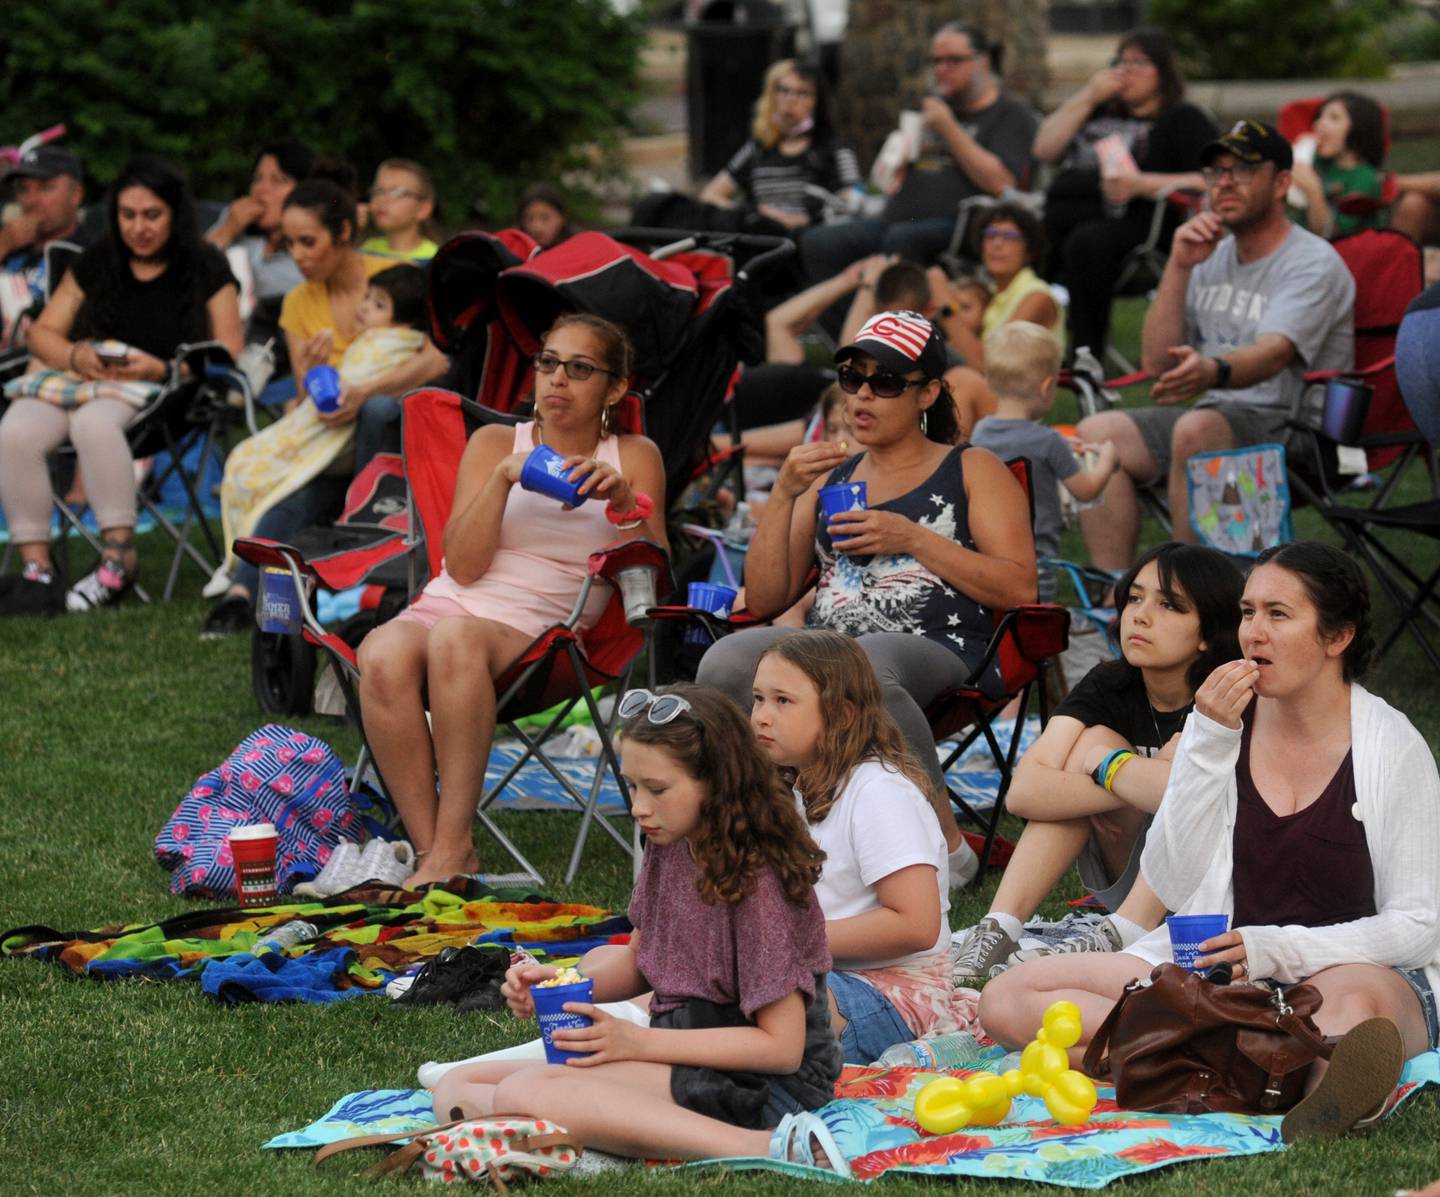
point(1189, 931)
point(549, 1013)
point(322, 384)
point(706, 596)
point(544, 473)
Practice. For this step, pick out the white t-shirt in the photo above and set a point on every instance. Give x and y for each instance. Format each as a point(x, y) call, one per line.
point(879, 824)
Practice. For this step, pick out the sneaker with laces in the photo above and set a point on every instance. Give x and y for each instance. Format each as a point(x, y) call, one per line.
point(389, 861)
point(1097, 936)
point(985, 947)
point(342, 862)
point(103, 586)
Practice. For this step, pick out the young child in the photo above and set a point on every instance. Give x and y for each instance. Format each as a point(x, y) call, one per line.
point(884, 887)
point(1349, 160)
point(280, 459)
point(542, 212)
point(1022, 364)
point(730, 938)
point(402, 202)
point(1179, 612)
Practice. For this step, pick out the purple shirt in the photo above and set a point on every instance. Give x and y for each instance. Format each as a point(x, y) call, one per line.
point(748, 954)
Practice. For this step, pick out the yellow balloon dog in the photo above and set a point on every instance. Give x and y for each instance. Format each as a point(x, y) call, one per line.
point(948, 1103)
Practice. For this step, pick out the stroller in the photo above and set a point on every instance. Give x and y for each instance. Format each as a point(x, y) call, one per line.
point(491, 297)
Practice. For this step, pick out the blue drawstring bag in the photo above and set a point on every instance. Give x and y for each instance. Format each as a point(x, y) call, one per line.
point(276, 775)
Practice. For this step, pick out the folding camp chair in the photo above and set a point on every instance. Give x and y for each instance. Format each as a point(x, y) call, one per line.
point(1026, 640)
point(189, 413)
point(1387, 268)
point(560, 668)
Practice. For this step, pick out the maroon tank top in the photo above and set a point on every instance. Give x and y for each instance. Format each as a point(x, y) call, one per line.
point(1309, 869)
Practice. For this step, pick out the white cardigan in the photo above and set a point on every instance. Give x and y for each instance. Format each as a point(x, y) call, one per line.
point(1188, 859)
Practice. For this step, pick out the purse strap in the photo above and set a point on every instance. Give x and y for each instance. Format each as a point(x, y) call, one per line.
point(1097, 1056)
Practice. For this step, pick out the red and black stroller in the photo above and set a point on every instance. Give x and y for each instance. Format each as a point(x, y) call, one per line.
point(490, 305)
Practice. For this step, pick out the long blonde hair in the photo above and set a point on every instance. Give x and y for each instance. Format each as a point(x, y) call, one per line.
point(856, 728)
point(762, 127)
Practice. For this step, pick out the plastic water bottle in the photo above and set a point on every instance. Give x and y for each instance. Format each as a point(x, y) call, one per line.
point(287, 935)
point(939, 1054)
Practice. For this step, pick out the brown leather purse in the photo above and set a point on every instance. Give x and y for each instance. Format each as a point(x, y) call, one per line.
point(1179, 1044)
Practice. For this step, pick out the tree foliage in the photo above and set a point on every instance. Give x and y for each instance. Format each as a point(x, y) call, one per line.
point(489, 94)
point(1262, 39)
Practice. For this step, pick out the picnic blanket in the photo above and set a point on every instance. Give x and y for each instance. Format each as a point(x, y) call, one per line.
point(369, 935)
point(974, 777)
point(873, 1119)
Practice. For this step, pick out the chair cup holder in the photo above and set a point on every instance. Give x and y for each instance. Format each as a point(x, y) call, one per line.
point(1347, 402)
point(637, 584)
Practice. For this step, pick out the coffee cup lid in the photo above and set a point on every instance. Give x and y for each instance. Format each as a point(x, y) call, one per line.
point(253, 831)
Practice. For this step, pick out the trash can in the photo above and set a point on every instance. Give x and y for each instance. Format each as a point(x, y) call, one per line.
point(728, 49)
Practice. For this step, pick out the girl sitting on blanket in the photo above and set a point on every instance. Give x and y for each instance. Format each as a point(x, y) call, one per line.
point(1308, 810)
point(1179, 607)
point(885, 884)
point(299, 446)
point(729, 936)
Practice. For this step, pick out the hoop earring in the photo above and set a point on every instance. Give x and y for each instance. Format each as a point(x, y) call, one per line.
point(607, 421)
point(924, 421)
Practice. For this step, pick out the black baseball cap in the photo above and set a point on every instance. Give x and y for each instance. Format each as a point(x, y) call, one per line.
point(900, 341)
point(46, 162)
point(1253, 142)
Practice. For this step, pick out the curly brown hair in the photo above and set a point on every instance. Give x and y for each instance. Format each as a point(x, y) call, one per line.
point(856, 728)
point(748, 818)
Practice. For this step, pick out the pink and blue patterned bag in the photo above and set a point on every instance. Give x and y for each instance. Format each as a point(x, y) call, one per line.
point(276, 775)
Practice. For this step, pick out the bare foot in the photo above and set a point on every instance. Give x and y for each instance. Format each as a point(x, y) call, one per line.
point(434, 868)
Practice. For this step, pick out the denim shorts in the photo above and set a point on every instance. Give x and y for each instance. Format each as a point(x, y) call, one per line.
point(872, 1024)
point(1417, 979)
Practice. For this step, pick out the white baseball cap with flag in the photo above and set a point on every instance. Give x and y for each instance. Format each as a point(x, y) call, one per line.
point(900, 341)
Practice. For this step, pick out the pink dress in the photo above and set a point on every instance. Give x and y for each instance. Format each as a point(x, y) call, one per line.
point(539, 565)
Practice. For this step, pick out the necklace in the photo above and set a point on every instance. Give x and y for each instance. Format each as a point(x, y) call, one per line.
point(1155, 719)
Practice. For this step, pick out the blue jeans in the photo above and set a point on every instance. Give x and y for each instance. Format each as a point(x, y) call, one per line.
point(310, 504)
point(1417, 979)
point(872, 1024)
point(372, 426)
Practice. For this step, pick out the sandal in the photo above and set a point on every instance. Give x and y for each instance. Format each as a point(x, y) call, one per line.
point(1367, 1065)
point(796, 1139)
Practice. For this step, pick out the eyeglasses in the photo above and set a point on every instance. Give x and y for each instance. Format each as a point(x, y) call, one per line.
point(663, 707)
point(998, 234)
point(394, 193)
point(798, 93)
point(883, 383)
point(576, 369)
point(952, 60)
point(1241, 172)
point(1130, 64)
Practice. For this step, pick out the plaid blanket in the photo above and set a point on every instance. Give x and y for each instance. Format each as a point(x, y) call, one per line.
point(369, 935)
point(68, 390)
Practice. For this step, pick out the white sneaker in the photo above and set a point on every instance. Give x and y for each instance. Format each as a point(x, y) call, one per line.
point(220, 581)
point(390, 861)
point(342, 862)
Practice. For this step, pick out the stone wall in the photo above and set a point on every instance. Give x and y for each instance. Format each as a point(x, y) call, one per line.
point(885, 61)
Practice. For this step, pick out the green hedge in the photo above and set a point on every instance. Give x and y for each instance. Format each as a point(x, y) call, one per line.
point(489, 94)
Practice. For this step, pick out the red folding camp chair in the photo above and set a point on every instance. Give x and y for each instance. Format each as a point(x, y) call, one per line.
point(559, 669)
point(1026, 640)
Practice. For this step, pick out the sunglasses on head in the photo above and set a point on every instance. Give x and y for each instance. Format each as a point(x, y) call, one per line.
point(883, 383)
point(663, 707)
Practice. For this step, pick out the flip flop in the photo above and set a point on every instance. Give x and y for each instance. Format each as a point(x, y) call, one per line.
point(795, 1139)
point(1363, 1072)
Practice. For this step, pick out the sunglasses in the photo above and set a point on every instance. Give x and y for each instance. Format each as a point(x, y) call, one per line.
point(663, 707)
point(575, 369)
point(883, 384)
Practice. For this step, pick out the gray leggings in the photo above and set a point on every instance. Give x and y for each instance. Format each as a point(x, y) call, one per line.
point(912, 671)
point(31, 429)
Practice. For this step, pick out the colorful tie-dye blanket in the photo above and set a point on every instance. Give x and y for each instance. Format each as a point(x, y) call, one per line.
point(368, 936)
point(873, 1119)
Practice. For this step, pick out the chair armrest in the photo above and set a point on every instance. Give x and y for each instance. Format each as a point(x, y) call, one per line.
point(272, 554)
point(1379, 367)
point(627, 554)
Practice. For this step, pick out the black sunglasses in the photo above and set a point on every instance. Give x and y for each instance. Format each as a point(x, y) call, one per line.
point(883, 384)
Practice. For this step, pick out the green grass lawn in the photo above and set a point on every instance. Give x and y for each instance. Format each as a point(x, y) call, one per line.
point(149, 1088)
